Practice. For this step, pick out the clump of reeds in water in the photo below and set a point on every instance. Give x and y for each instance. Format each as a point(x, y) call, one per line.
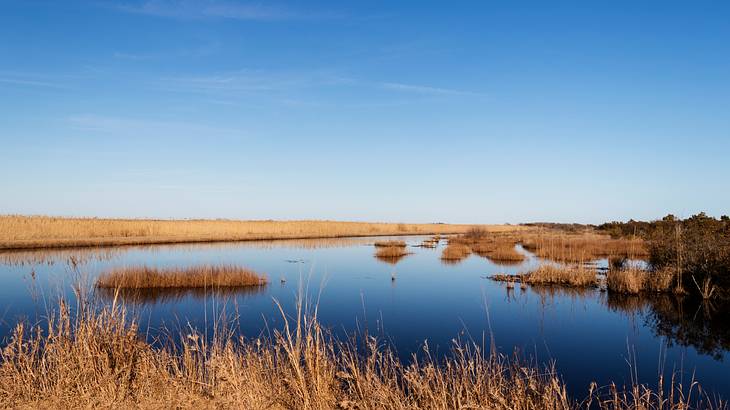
point(390, 244)
point(391, 254)
point(501, 252)
point(203, 276)
point(575, 276)
point(455, 252)
point(578, 276)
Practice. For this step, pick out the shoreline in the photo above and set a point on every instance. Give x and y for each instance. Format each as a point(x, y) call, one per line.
point(19, 232)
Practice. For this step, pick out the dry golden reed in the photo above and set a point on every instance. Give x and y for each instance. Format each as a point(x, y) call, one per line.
point(455, 252)
point(24, 232)
point(581, 247)
point(96, 358)
point(577, 276)
point(390, 244)
point(204, 276)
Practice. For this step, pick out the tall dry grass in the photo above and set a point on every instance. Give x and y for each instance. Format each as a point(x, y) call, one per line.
point(203, 276)
point(391, 254)
point(96, 358)
point(455, 252)
point(23, 232)
point(577, 276)
point(390, 244)
point(633, 280)
point(582, 247)
point(499, 248)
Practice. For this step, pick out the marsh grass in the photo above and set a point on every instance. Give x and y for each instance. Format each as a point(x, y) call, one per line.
point(576, 276)
point(634, 280)
point(455, 252)
point(96, 357)
point(203, 276)
point(28, 232)
point(499, 249)
point(577, 248)
point(391, 254)
point(390, 244)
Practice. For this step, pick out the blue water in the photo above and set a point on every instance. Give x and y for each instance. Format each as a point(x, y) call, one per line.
point(588, 335)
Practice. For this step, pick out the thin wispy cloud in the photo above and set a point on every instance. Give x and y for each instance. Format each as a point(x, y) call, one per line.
point(261, 81)
point(423, 89)
point(137, 126)
point(29, 80)
point(217, 9)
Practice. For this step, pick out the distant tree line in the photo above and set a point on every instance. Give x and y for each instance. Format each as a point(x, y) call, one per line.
point(697, 249)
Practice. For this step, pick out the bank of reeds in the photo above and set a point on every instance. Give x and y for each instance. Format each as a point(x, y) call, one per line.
point(203, 276)
point(97, 358)
point(582, 247)
point(28, 232)
point(633, 280)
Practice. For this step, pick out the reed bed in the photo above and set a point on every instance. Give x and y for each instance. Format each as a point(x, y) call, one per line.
point(499, 248)
point(455, 252)
point(633, 280)
point(391, 254)
point(583, 247)
point(572, 276)
point(28, 232)
point(390, 244)
point(576, 276)
point(204, 276)
point(97, 358)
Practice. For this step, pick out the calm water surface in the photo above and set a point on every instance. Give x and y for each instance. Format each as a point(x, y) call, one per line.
point(589, 335)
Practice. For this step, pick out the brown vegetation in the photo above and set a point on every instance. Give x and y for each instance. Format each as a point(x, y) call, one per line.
point(455, 252)
point(391, 254)
point(97, 359)
point(582, 247)
point(145, 277)
point(26, 232)
point(574, 276)
point(632, 280)
point(499, 248)
point(577, 276)
point(390, 244)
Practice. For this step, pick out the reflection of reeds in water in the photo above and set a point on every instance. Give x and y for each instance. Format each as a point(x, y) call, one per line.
point(165, 295)
point(52, 256)
point(205, 276)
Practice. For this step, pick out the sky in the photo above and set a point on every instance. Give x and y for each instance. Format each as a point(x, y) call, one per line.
point(408, 111)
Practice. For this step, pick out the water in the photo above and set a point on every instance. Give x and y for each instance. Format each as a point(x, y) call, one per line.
point(589, 335)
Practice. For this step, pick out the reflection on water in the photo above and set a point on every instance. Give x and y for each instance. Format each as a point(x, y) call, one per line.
point(700, 324)
point(151, 296)
point(583, 330)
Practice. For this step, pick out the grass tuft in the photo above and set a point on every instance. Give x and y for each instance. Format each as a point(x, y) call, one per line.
point(204, 276)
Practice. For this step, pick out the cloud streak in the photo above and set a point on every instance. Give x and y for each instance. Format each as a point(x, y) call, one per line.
point(217, 9)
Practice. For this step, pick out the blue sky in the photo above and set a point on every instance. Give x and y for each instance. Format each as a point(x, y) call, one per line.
point(396, 111)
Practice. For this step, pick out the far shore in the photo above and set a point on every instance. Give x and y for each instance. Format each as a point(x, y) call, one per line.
point(43, 232)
